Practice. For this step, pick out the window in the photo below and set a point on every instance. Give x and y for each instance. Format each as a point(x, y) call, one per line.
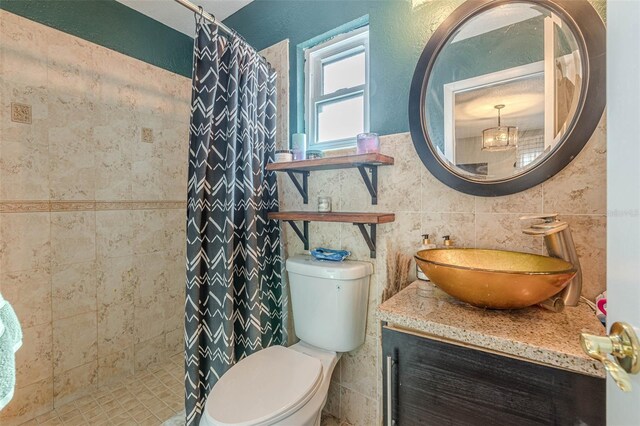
point(337, 90)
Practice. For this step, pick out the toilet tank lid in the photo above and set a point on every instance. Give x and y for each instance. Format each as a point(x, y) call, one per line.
point(311, 267)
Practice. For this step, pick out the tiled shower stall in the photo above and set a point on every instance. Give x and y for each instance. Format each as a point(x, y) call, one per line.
point(92, 216)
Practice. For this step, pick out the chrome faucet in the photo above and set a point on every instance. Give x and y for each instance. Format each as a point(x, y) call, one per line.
point(559, 243)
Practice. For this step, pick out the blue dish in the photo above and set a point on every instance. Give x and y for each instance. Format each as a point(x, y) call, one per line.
point(329, 254)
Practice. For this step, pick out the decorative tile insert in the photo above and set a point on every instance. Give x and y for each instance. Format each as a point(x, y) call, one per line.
point(20, 113)
point(146, 135)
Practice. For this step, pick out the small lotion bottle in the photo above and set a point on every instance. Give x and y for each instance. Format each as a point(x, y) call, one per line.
point(425, 287)
point(426, 244)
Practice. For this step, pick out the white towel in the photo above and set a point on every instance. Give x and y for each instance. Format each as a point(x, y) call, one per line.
point(10, 342)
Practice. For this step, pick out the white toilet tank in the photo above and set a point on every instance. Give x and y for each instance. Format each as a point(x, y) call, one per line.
point(329, 301)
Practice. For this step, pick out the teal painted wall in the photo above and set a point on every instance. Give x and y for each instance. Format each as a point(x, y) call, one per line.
point(398, 34)
point(112, 25)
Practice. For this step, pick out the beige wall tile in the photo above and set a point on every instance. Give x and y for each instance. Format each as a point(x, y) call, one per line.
point(23, 51)
point(173, 312)
point(24, 148)
point(28, 402)
point(504, 232)
point(151, 278)
point(115, 366)
point(437, 197)
point(332, 405)
point(529, 202)
point(151, 231)
point(73, 289)
point(113, 159)
point(404, 233)
point(174, 342)
point(149, 353)
point(114, 233)
point(29, 292)
point(358, 369)
point(74, 342)
point(580, 188)
point(353, 192)
point(148, 321)
point(116, 281)
point(399, 185)
point(291, 198)
point(115, 328)
point(357, 409)
point(34, 359)
point(37, 97)
point(459, 226)
point(71, 67)
point(73, 237)
point(24, 241)
point(75, 383)
point(373, 326)
point(72, 161)
point(24, 169)
point(151, 297)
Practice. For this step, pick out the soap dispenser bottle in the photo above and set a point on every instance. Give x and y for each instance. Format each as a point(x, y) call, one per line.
point(426, 244)
point(447, 241)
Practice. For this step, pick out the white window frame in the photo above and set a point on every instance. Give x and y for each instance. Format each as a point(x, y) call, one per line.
point(337, 48)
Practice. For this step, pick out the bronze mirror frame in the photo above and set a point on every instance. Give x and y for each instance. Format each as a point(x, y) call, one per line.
point(590, 33)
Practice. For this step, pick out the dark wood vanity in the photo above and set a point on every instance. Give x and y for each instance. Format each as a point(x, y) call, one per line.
point(445, 362)
point(431, 382)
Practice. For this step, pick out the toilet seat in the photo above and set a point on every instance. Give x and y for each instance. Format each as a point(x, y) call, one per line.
point(263, 388)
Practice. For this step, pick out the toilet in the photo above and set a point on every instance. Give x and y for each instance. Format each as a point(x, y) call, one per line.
point(289, 386)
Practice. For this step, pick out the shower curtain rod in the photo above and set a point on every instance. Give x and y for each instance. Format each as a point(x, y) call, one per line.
point(209, 17)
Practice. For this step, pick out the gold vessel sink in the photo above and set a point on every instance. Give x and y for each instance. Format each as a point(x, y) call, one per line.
point(495, 279)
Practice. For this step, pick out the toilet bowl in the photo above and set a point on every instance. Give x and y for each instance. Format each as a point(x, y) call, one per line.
point(289, 386)
point(285, 386)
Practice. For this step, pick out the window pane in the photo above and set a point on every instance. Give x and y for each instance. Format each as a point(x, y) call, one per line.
point(343, 73)
point(342, 119)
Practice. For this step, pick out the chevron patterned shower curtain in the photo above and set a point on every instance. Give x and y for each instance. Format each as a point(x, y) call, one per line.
point(235, 297)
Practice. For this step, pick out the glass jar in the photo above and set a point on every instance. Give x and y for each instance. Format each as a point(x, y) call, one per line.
point(324, 204)
point(367, 143)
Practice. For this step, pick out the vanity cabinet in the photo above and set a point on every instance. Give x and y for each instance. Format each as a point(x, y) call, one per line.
point(430, 382)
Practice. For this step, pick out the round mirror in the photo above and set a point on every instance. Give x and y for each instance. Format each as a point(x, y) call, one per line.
point(506, 93)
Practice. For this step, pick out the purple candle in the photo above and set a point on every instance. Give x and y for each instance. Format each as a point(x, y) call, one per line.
point(367, 143)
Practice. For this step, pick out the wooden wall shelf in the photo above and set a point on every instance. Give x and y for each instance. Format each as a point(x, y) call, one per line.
point(367, 165)
point(333, 163)
point(361, 220)
point(345, 217)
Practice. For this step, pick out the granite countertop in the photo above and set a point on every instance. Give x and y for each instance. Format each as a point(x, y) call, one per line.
point(532, 334)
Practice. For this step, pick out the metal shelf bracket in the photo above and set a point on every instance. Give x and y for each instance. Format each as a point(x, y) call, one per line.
point(369, 237)
point(370, 182)
point(303, 188)
point(304, 234)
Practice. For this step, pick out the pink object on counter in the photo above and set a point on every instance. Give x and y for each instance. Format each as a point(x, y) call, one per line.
point(367, 142)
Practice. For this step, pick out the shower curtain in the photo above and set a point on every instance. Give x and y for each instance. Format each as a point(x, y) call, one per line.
point(235, 297)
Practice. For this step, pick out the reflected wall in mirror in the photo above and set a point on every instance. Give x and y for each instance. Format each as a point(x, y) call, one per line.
point(500, 89)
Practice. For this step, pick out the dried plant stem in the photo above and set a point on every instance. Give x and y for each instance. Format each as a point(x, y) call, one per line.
point(398, 266)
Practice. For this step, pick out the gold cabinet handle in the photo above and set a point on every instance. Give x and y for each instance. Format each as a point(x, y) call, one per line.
point(622, 344)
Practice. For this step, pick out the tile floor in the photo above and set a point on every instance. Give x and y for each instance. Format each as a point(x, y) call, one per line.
point(153, 397)
point(329, 420)
point(146, 398)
